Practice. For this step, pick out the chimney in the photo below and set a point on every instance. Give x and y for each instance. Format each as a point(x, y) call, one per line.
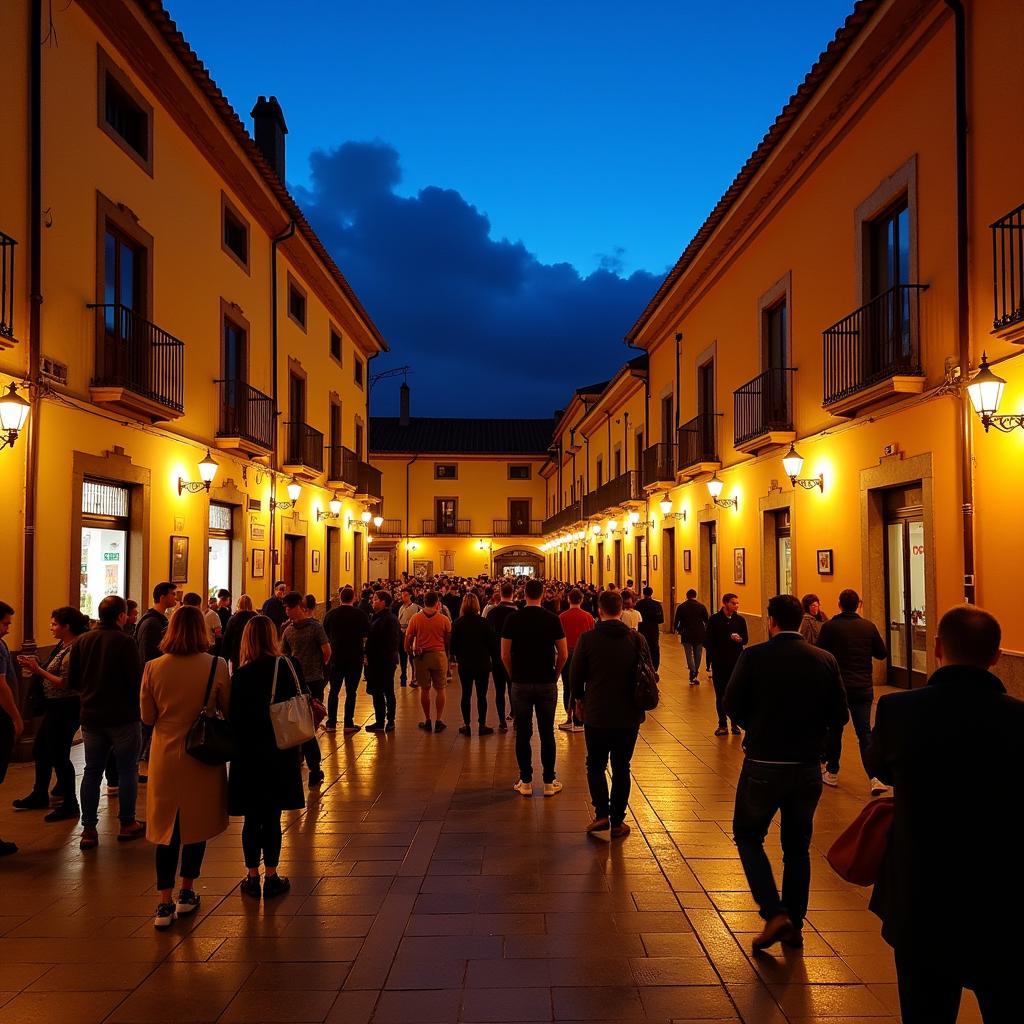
point(270, 129)
point(403, 405)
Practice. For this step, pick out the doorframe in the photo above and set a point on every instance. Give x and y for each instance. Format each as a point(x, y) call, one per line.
point(775, 501)
point(909, 672)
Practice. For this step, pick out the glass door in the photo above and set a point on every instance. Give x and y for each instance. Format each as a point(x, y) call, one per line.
point(709, 565)
point(105, 535)
point(906, 610)
point(783, 553)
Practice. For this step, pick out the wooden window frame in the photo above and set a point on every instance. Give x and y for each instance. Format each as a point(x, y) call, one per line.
point(332, 330)
point(229, 209)
point(780, 293)
point(292, 284)
point(902, 182)
point(520, 465)
point(124, 221)
point(358, 371)
point(105, 67)
point(230, 311)
point(454, 465)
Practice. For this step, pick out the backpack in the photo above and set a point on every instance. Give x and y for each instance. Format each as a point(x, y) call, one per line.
point(645, 686)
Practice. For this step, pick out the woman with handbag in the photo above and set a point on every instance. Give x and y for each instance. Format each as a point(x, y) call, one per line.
point(59, 707)
point(264, 779)
point(186, 800)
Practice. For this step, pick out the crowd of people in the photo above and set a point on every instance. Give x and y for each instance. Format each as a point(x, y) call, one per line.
point(135, 684)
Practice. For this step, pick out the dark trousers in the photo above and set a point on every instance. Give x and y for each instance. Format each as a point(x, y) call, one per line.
point(528, 698)
point(693, 654)
point(567, 702)
point(860, 715)
point(6, 742)
point(380, 682)
point(792, 790)
point(931, 983)
point(654, 644)
point(311, 748)
point(191, 856)
point(261, 835)
point(403, 661)
point(720, 678)
point(471, 681)
point(617, 745)
point(346, 673)
point(500, 686)
point(110, 769)
point(124, 741)
point(51, 749)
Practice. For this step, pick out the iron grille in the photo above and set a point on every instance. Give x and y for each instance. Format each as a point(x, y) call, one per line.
point(100, 498)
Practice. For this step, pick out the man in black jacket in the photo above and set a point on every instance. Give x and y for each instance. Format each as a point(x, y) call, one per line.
point(346, 627)
point(691, 623)
point(726, 637)
point(650, 624)
point(853, 642)
point(603, 680)
point(273, 607)
point(150, 629)
point(105, 669)
point(785, 693)
point(952, 750)
point(497, 618)
point(382, 643)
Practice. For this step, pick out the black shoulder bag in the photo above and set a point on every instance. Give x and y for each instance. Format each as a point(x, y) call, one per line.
point(645, 686)
point(209, 738)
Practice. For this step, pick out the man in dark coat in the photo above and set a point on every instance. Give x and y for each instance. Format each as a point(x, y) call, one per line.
point(650, 625)
point(691, 623)
point(785, 693)
point(726, 637)
point(952, 750)
point(346, 627)
point(382, 643)
point(273, 607)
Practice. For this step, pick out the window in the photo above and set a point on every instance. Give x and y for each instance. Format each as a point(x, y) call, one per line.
point(446, 515)
point(519, 472)
point(617, 455)
point(105, 526)
point(600, 472)
point(889, 252)
point(296, 302)
point(774, 333)
point(359, 440)
point(446, 471)
point(335, 345)
point(234, 239)
point(124, 114)
point(357, 370)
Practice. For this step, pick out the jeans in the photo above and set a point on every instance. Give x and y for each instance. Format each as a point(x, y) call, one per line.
point(477, 681)
point(794, 791)
point(380, 682)
point(261, 834)
point(51, 750)
point(617, 744)
point(125, 741)
point(191, 855)
point(860, 716)
point(541, 698)
point(403, 660)
point(693, 654)
point(347, 673)
point(500, 686)
point(931, 982)
point(311, 748)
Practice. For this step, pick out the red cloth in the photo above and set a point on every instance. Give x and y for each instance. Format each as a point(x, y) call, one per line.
point(575, 622)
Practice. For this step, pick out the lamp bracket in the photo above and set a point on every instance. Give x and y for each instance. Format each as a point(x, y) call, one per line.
point(192, 486)
point(809, 483)
point(727, 503)
point(285, 505)
point(1004, 422)
point(321, 514)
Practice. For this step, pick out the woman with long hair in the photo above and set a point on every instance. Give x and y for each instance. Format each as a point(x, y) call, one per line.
point(231, 644)
point(475, 648)
point(814, 618)
point(263, 781)
point(186, 800)
point(51, 749)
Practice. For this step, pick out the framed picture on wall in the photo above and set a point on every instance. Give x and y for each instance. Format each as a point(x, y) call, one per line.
point(629, 563)
point(179, 559)
point(654, 562)
point(739, 565)
point(825, 562)
point(259, 563)
point(316, 560)
point(687, 560)
point(348, 561)
point(257, 531)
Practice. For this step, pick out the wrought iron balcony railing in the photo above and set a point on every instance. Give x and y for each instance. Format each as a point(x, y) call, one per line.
point(439, 527)
point(7, 245)
point(659, 464)
point(368, 480)
point(572, 513)
point(697, 441)
point(304, 446)
point(342, 465)
point(1008, 269)
point(625, 487)
point(245, 413)
point(517, 527)
point(390, 528)
point(764, 404)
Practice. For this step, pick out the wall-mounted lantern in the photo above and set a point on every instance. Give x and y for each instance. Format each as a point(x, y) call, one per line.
point(207, 471)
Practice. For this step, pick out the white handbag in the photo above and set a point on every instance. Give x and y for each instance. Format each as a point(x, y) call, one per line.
point(292, 719)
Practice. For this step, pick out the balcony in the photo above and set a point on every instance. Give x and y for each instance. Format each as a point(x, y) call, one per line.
point(517, 527)
point(698, 446)
point(368, 489)
point(342, 468)
point(139, 366)
point(621, 490)
point(446, 527)
point(246, 419)
point(7, 245)
point(1008, 275)
point(569, 516)
point(763, 411)
point(873, 356)
point(303, 450)
point(391, 528)
point(659, 467)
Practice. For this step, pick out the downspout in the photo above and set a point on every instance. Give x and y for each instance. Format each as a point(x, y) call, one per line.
point(963, 296)
point(274, 243)
point(407, 531)
point(679, 341)
point(366, 442)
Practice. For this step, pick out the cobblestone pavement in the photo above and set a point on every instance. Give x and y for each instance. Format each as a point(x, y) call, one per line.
point(425, 889)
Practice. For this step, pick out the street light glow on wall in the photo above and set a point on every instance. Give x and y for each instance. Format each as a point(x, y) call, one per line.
point(715, 490)
point(13, 414)
point(985, 390)
point(666, 510)
point(207, 471)
point(792, 463)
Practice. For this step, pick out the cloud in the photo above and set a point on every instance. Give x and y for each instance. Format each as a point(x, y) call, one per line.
point(487, 328)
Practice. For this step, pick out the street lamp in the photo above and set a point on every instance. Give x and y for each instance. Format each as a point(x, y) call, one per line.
point(335, 509)
point(986, 392)
point(792, 463)
point(13, 414)
point(666, 510)
point(365, 516)
point(378, 522)
point(715, 489)
point(294, 489)
point(207, 471)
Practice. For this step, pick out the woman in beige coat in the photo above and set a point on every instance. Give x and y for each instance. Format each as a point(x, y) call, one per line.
point(186, 802)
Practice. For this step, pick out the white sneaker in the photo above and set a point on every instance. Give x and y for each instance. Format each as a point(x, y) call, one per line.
point(830, 778)
point(523, 788)
point(551, 788)
point(878, 787)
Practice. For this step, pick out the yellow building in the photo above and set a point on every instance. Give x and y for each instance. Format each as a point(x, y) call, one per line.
point(460, 496)
point(164, 297)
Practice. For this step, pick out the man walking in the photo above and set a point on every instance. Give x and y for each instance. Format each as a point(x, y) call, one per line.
point(11, 723)
point(785, 693)
point(650, 626)
point(853, 642)
point(347, 627)
point(726, 637)
point(575, 622)
point(603, 681)
point(105, 669)
point(406, 610)
point(955, 842)
point(691, 623)
point(428, 639)
point(273, 607)
point(304, 639)
point(533, 651)
point(382, 645)
point(497, 618)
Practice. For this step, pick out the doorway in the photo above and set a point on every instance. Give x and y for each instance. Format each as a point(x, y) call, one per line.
point(357, 561)
point(617, 565)
point(600, 566)
point(293, 562)
point(783, 552)
point(905, 603)
point(105, 543)
point(333, 563)
point(668, 554)
point(709, 564)
point(220, 543)
point(519, 516)
point(640, 562)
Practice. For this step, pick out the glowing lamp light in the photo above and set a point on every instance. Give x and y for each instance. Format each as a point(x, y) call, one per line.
point(13, 413)
point(613, 525)
point(365, 516)
point(294, 489)
point(369, 538)
point(596, 530)
point(634, 518)
point(715, 487)
point(985, 391)
point(207, 471)
point(666, 506)
point(378, 521)
point(335, 506)
point(792, 462)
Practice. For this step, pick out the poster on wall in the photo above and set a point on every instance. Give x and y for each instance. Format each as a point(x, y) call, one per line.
point(739, 565)
point(422, 568)
point(257, 531)
point(179, 559)
point(259, 563)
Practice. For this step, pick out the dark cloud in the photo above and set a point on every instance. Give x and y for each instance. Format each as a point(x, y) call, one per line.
point(486, 327)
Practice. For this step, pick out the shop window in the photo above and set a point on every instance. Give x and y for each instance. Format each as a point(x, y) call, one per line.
point(220, 536)
point(105, 533)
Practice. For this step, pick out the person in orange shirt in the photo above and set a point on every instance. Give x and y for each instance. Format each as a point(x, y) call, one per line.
point(428, 639)
point(575, 622)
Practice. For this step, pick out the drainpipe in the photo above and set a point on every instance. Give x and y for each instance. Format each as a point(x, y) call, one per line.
point(366, 444)
point(407, 530)
point(963, 296)
point(274, 243)
point(679, 341)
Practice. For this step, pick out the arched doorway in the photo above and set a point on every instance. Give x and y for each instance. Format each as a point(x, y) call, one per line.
point(518, 562)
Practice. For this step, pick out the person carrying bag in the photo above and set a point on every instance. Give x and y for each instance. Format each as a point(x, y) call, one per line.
point(209, 739)
point(292, 719)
